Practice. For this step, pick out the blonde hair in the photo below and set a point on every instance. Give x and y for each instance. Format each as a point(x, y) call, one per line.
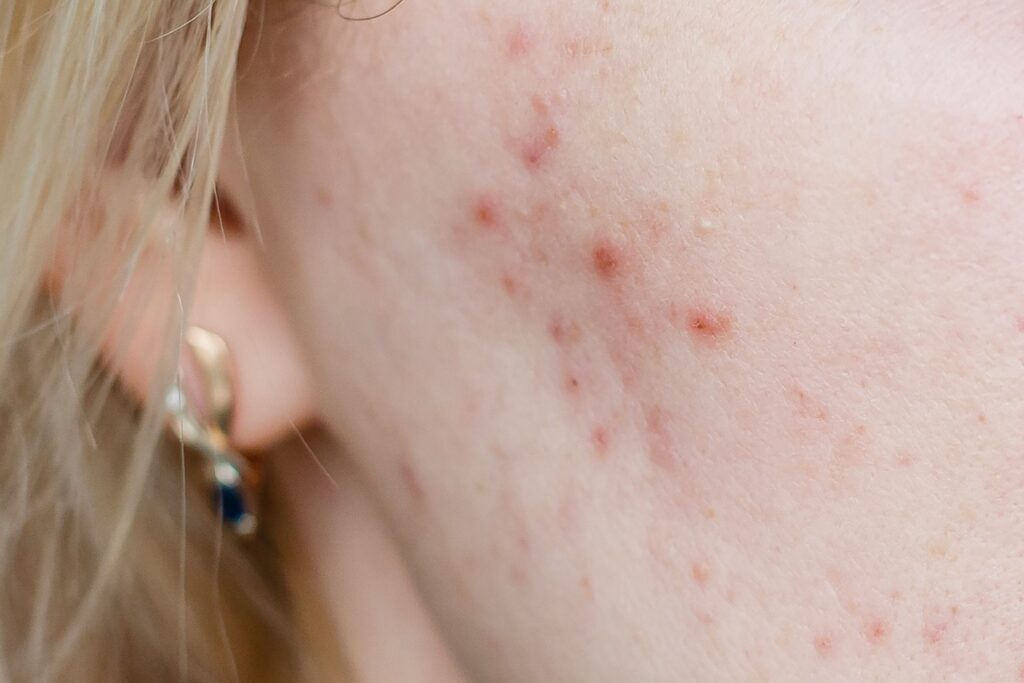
point(109, 569)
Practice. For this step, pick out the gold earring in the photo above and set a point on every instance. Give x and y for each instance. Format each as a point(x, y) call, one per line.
point(204, 425)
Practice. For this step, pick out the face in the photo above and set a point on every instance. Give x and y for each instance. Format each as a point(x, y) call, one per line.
point(672, 338)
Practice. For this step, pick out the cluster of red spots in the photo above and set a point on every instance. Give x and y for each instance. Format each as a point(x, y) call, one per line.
point(606, 260)
point(701, 574)
point(877, 631)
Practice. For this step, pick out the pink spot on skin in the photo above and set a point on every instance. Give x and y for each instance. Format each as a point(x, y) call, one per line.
point(572, 385)
point(707, 326)
point(412, 482)
point(701, 574)
point(809, 407)
point(486, 213)
point(510, 284)
point(823, 644)
point(518, 42)
point(970, 197)
point(564, 333)
point(587, 586)
point(322, 195)
point(539, 147)
point(937, 623)
point(877, 631)
point(606, 260)
point(599, 437)
point(660, 448)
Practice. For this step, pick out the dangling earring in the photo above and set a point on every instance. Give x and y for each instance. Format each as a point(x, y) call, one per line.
point(203, 424)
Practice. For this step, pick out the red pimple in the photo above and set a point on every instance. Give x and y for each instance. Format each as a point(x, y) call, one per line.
point(970, 197)
point(823, 644)
point(486, 212)
point(708, 326)
point(877, 631)
point(563, 333)
point(518, 42)
point(510, 284)
point(599, 437)
point(539, 146)
point(606, 260)
point(701, 573)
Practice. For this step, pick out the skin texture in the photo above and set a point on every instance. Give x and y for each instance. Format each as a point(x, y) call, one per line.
point(673, 340)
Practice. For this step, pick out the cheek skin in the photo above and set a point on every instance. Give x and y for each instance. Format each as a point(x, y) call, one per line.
point(740, 318)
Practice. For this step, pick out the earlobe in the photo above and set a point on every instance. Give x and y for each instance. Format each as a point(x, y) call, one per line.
point(232, 299)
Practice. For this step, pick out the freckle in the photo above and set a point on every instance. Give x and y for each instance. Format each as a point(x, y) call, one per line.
point(486, 213)
point(587, 587)
point(708, 326)
point(518, 42)
point(537, 148)
point(572, 385)
point(701, 574)
point(823, 644)
point(606, 260)
point(876, 631)
point(982, 418)
point(709, 513)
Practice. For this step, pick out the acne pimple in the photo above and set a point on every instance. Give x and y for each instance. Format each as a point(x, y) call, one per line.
point(708, 326)
point(518, 42)
point(486, 213)
point(599, 438)
point(606, 260)
point(970, 197)
point(539, 146)
point(877, 631)
point(823, 644)
point(701, 574)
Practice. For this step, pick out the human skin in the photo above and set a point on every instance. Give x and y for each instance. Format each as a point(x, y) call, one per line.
point(674, 340)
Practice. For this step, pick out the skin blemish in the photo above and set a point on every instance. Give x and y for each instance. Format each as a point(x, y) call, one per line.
point(701, 574)
point(606, 260)
point(937, 623)
point(707, 326)
point(600, 439)
point(538, 147)
point(970, 197)
point(323, 197)
point(809, 407)
point(486, 213)
point(511, 285)
point(659, 442)
point(413, 485)
point(572, 385)
point(877, 631)
point(518, 42)
point(562, 332)
point(823, 644)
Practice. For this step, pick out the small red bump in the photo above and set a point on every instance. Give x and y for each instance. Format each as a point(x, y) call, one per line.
point(599, 437)
point(510, 284)
point(606, 260)
point(701, 574)
point(876, 631)
point(518, 43)
point(708, 326)
point(970, 197)
point(486, 213)
point(537, 149)
point(823, 644)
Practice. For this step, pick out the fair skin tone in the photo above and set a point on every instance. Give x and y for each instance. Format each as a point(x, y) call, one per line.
point(669, 341)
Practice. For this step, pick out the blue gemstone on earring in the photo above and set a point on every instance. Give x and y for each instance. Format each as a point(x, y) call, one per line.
point(228, 499)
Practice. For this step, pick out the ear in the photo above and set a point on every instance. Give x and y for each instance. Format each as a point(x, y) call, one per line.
point(233, 299)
